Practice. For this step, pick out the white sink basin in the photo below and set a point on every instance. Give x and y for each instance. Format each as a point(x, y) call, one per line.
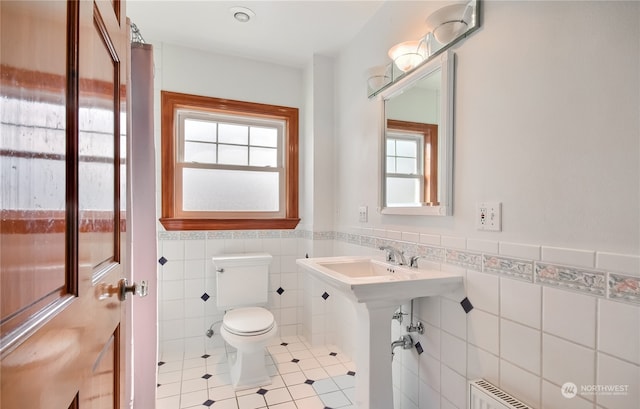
point(366, 279)
point(377, 288)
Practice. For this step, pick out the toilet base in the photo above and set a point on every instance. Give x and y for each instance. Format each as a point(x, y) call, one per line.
point(248, 370)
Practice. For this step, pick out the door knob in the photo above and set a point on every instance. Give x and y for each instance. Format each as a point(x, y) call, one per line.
point(123, 288)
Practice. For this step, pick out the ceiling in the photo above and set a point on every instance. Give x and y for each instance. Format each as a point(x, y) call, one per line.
point(281, 32)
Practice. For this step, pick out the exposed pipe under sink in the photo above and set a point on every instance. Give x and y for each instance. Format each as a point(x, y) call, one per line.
point(405, 341)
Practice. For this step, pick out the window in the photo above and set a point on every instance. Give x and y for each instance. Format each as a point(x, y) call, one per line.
point(411, 155)
point(228, 164)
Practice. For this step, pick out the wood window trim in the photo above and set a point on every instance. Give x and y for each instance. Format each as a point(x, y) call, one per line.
point(430, 135)
point(171, 101)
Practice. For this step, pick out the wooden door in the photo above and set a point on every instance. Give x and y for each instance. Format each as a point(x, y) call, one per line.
point(63, 223)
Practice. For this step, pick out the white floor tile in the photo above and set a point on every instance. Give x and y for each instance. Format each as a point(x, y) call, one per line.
point(172, 402)
point(226, 404)
point(169, 377)
point(312, 402)
point(336, 370)
point(253, 401)
point(182, 385)
point(294, 378)
point(193, 385)
point(169, 389)
point(222, 393)
point(345, 381)
point(316, 374)
point(286, 405)
point(325, 386)
point(335, 399)
point(301, 391)
point(275, 396)
point(193, 398)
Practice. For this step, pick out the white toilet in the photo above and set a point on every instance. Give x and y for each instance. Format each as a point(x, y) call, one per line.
point(242, 288)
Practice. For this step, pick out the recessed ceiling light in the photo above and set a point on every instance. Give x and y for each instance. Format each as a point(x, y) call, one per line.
point(242, 14)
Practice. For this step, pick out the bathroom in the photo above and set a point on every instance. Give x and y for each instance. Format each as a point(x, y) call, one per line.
point(545, 122)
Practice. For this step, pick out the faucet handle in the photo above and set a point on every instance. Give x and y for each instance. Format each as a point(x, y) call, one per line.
point(413, 261)
point(388, 253)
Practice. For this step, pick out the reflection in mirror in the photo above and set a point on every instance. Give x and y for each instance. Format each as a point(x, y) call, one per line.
point(417, 142)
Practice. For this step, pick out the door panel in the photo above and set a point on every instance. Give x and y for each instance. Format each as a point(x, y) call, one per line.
point(63, 236)
point(33, 149)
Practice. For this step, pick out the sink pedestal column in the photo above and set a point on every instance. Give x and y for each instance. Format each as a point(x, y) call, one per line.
point(374, 386)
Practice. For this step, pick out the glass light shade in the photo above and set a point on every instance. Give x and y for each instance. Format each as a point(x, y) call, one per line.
point(378, 77)
point(449, 22)
point(449, 30)
point(407, 55)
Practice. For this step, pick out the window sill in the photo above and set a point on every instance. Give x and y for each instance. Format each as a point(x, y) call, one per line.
point(172, 224)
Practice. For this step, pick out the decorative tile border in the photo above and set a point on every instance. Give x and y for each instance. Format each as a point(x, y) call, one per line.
point(216, 235)
point(624, 288)
point(168, 235)
point(464, 259)
point(432, 253)
point(614, 286)
point(353, 238)
point(368, 241)
point(520, 269)
point(591, 282)
point(323, 235)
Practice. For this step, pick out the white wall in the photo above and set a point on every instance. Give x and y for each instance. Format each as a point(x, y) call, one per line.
point(547, 122)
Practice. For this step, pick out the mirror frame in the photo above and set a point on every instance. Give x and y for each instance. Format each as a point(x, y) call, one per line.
point(445, 62)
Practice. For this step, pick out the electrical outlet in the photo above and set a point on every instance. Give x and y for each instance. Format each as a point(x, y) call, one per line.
point(363, 214)
point(489, 216)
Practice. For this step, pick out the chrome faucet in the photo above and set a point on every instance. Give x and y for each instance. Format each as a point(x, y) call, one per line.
point(393, 255)
point(413, 261)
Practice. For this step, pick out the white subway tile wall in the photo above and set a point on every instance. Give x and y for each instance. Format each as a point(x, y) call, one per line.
point(540, 316)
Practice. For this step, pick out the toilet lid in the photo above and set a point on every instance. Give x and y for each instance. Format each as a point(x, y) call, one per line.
point(248, 321)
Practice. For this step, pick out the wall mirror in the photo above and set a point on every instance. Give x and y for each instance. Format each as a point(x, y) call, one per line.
point(417, 141)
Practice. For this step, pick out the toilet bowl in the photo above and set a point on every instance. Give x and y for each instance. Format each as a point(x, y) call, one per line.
point(242, 286)
point(249, 331)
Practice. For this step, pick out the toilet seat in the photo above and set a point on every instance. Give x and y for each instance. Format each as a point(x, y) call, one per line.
point(250, 321)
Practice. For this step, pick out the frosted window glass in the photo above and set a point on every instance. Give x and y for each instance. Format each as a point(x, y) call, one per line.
point(230, 190)
point(267, 137)
point(202, 131)
point(407, 166)
point(231, 133)
point(199, 152)
point(403, 192)
point(263, 157)
point(391, 147)
point(391, 164)
point(233, 155)
point(406, 148)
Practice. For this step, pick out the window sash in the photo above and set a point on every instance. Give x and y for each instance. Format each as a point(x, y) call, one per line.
point(418, 139)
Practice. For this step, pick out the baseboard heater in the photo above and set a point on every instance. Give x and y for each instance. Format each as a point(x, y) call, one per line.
point(484, 395)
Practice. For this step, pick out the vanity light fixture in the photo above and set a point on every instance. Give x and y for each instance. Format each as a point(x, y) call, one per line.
point(409, 54)
point(242, 14)
point(450, 21)
point(378, 77)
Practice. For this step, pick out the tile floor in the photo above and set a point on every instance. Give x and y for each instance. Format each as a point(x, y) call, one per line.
point(303, 377)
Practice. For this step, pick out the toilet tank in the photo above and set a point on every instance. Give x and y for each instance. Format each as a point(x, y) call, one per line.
point(241, 279)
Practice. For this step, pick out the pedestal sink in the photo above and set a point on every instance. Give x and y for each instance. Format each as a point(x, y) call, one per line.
point(378, 288)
